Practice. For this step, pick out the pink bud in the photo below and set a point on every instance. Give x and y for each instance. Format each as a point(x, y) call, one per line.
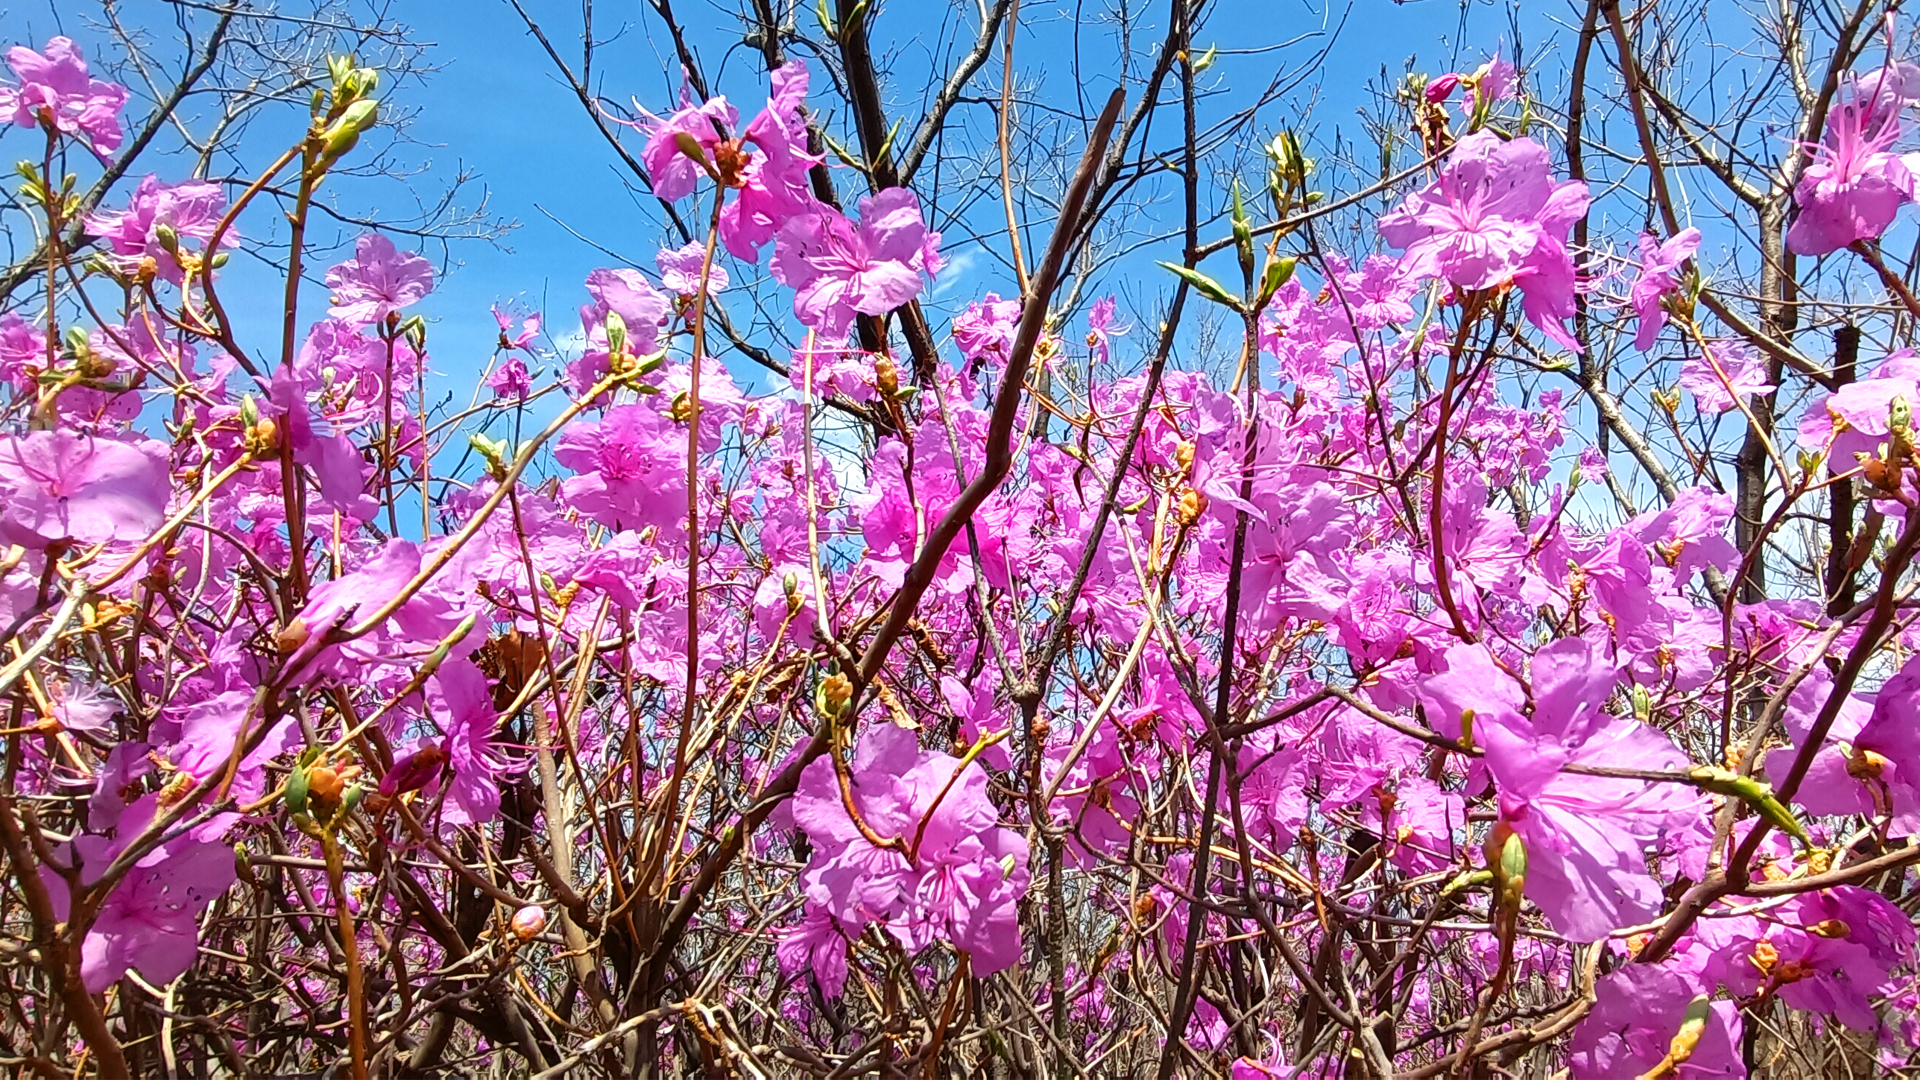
point(528, 922)
point(1441, 88)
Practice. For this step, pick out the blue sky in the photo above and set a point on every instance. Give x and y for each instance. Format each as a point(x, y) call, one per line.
point(495, 108)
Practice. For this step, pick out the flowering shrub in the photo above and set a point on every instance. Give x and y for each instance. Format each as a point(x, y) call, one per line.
point(1297, 719)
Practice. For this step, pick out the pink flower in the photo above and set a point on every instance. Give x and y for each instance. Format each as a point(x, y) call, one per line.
point(1585, 835)
point(151, 920)
point(984, 331)
point(1690, 534)
point(631, 467)
point(837, 268)
point(1883, 767)
point(23, 350)
point(632, 297)
point(774, 185)
point(1659, 260)
point(1495, 80)
point(419, 624)
point(529, 329)
point(680, 270)
point(511, 380)
point(56, 485)
point(949, 874)
point(320, 445)
point(81, 706)
point(817, 947)
point(1637, 1011)
point(674, 173)
point(191, 209)
point(378, 281)
point(1495, 217)
point(460, 702)
point(1593, 465)
point(1855, 184)
point(55, 90)
point(1101, 329)
point(1828, 952)
point(1741, 373)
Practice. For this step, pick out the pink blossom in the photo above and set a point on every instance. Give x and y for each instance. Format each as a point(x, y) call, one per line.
point(1637, 1011)
point(630, 469)
point(950, 873)
point(150, 922)
point(23, 350)
point(322, 446)
point(838, 268)
point(1855, 184)
point(1730, 371)
point(420, 624)
point(56, 90)
point(632, 297)
point(460, 702)
point(1495, 217)
point(984, 331)
point(191, 209)
point(672, 172)
point(1593, 465)
point(1585, 835)
point(774, 185)
point(56, 485)
point(523, 340)
point(377, 282)
point(511, 380)
point(680, 270)
point(1659, 261)
point(816, 947)
point(1102, 329)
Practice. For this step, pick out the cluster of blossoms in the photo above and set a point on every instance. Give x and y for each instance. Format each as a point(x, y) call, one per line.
point(623, 675)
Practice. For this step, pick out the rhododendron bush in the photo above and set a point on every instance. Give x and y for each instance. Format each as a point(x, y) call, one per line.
point(1436, 622)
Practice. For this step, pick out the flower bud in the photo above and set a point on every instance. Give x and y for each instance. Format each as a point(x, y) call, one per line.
point(296, 790)
point(1692, 1026)
point(263, 437)
point(1899, 415)
point(690, 146)
point(1242, 232)
point(528, 922)
point(78, 344)
point(832, 695)
point(616, 334)
point(324, 783)
point(292, 636)
point(1864, 765)
point(1442, 88)
point(1278, 273)
point(886, 375)
point(491, 451)
point(168, 239)
point(344, 134)
point(1506, 855)
point(414, 771)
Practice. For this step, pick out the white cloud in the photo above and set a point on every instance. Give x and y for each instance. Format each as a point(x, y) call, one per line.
point(956, 269)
